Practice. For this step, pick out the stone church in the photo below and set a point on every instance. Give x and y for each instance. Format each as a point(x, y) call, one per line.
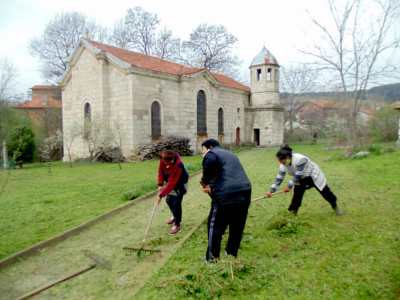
point(153, 98)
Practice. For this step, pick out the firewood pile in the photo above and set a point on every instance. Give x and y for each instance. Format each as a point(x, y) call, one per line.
point(107, 155)
point(153, 150)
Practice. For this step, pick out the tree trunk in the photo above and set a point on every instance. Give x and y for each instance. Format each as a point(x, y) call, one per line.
point(70, 159)
point(290, 128)
point(353, 136)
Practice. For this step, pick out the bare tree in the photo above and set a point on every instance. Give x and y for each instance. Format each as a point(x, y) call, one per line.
point(142, 27)
point(59, 39)
point(213, 46)
point(117, 136)
point(120, 35)
point(8, 117)
point(94, 135)
point(209, 45)
point(8, 75)
point(167, 45)
point(294, 81)
point(70, 134)
point(355, 53)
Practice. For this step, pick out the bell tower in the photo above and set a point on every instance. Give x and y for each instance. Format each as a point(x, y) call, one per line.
point(264, 113)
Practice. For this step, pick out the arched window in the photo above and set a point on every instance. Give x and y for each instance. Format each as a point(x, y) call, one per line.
point(155, 119)
point(220, 121)
point(88, 112)
point(87, 118)
point(201, 113)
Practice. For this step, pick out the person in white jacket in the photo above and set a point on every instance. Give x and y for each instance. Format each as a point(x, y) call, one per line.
point(306, 175)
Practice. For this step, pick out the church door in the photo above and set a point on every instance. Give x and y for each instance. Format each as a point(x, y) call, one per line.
point(238, 136)
point(257, 137)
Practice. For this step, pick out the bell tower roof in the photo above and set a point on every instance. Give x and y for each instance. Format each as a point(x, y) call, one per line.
point(264, 58)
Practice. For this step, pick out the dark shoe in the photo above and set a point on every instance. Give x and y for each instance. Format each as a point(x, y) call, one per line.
point(293, 212)
point(226, 253)
point(174, 230)
point(171, 221)
point(338, 211)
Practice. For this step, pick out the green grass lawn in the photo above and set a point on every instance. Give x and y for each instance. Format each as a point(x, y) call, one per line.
point(36, 205)
point(316, 255)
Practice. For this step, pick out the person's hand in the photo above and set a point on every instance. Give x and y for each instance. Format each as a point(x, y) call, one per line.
point(160, 188)
point(286, 189)
point(269, 194)
point(158, 200)
point(207, 190)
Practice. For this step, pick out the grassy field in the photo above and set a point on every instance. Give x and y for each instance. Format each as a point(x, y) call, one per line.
point(316, 255)
point(36, 205)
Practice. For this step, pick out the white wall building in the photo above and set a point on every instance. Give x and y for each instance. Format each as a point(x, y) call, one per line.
point(154, 98)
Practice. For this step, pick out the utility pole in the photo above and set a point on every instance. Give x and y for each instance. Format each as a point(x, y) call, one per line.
point(5, 157)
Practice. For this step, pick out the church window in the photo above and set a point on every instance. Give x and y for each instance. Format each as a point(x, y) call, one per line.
point(220, 121)
point(201, 113)
point(269, 73)
point(155, 119)
point(259, 75)
point(88, 112)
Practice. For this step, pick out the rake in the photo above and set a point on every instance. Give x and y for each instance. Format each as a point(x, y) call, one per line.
point(98, 261)
point(142, 249)
point(264, 197)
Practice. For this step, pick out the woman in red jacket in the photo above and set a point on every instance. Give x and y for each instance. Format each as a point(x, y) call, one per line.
point(173, 172)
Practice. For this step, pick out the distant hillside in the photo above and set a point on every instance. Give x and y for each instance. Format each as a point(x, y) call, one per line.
point(388, 92)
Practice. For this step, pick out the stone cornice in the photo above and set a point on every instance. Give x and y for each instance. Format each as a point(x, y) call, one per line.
point(268, 107)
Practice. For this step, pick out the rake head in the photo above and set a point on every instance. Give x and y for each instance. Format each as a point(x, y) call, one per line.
point(98, 260)
point(142, 251)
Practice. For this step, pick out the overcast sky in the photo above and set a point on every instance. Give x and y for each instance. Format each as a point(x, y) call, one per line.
point(280, 25)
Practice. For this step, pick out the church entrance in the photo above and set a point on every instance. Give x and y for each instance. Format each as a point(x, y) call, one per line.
point(256, 137)
point(238, 136)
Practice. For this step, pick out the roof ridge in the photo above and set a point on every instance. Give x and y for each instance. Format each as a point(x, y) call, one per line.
point(181, 67)
point(146, 55)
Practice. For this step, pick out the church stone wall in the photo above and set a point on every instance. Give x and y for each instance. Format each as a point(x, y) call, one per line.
point(83, 87)
point(125, 96)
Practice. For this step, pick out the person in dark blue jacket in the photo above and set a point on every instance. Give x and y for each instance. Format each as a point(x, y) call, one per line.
point(229, 187)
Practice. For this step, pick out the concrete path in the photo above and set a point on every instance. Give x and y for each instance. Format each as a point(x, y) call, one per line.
point(106, 239)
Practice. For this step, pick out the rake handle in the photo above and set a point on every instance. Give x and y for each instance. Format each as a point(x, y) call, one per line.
point(55, 282)
point(148, 226)
point(264, 197)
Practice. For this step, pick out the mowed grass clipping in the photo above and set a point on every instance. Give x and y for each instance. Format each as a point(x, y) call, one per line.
point(316, 255)
point(36, 205)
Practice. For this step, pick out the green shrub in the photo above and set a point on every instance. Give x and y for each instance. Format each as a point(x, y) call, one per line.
point(384, 124)
point(21, 144)
point(130, 195)
point(140, 190)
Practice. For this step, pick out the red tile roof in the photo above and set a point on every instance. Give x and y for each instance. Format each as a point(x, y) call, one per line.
point(229, 82)
point(368, 111)
point(46, 87)
point(160, 65)
point(330, 104)
point(37, 101)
